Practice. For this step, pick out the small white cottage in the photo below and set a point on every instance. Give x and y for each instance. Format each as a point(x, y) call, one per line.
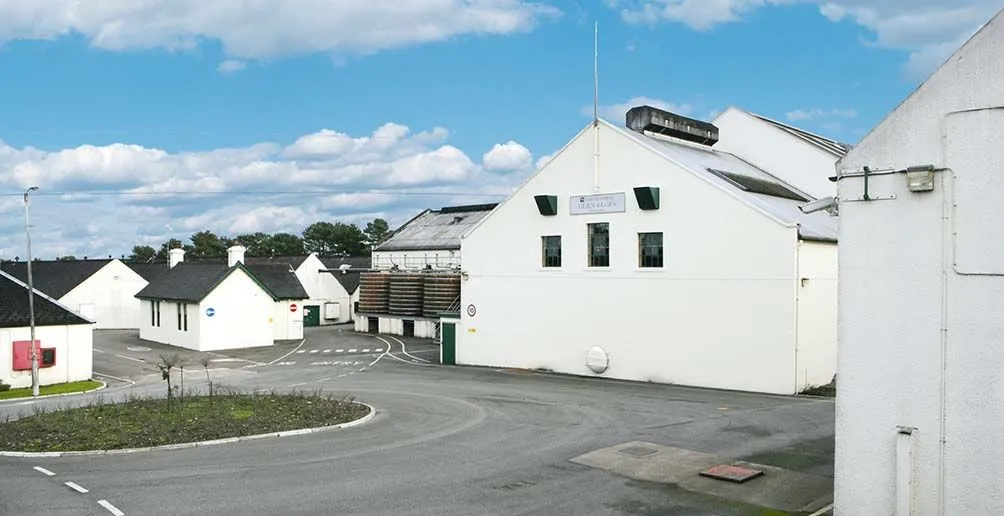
point(662, 260)
point(103, 290)
point(213, 306)
point(63, 337)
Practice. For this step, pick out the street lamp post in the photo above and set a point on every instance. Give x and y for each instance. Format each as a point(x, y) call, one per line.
point(31, 298)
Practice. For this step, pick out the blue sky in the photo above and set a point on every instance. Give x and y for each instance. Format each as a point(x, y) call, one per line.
point(419, 97)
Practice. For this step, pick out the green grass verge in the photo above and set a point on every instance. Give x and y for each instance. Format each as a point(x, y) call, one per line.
point(48, 390)
point(147, 421)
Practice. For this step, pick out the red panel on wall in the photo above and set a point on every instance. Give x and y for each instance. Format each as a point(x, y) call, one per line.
point(22, 354)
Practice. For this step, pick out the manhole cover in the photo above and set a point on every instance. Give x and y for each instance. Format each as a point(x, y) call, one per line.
point(138, 348)
point(737, 474)
point(637, 451)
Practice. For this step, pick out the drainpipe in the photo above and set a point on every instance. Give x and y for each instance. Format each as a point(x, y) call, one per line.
point(797, 282)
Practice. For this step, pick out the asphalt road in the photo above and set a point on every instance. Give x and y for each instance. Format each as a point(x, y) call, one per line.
point(445, 441)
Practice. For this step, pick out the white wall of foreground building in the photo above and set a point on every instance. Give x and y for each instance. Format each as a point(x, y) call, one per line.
point(921, 297)
point(74, 352)
point(721, 313)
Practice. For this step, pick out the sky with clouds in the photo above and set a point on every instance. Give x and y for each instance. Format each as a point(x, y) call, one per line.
point(143, 121)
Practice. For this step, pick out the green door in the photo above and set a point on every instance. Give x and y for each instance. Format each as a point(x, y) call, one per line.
point(449, 347)
point(311, 316)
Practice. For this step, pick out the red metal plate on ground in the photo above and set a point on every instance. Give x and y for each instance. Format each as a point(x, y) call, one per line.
point(737, 474)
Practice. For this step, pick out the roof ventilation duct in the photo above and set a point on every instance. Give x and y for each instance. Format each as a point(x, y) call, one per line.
point(653, 120)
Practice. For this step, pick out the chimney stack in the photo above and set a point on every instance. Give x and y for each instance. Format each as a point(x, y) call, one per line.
point(175, 256)
point(235, 255)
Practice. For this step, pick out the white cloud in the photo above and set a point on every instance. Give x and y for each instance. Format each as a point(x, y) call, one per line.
point(507, 157)
point(809, 114)
point(250, 30)
point(96, 200)
point(616, 112)
point(544, 160)
point(930, 29)
point(231, 66)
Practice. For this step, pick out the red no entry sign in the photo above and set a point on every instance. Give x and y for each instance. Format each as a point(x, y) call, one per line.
point(292, 308)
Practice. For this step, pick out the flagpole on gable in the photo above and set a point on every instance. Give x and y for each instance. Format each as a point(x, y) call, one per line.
point(596, 107)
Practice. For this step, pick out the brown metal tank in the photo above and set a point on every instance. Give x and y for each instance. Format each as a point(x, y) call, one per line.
point(406, 294)
point(374, 292)
point(441, 290)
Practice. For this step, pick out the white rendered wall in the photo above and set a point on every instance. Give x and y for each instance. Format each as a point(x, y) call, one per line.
point(111, 293)
point(792, 160)
point(241, 319)
point(817, 314)
point(74, 352)
point(322, 287)
point(720, 314)
point(168, 331)
point(287, 325)
point(900, 286)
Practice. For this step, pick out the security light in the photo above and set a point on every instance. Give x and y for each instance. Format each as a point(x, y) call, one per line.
point(825, 203)
point(920, 178)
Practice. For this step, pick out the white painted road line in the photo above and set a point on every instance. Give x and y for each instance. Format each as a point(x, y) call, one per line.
point(339, 351)
point(822, 511)
point(43, 470)
point(366, 351)
point(298, 346)
point(322, 380)
point(129, 358)
point(405, 350)
point(353, 350)
point(314, 350)
point(76, 487)
point(114, 377)
point(327, 351)
point(111, 508)
point(96, 350)
point(302, 351)
point(297, 385)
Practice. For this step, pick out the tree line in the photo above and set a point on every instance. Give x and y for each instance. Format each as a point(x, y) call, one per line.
point(323, 238)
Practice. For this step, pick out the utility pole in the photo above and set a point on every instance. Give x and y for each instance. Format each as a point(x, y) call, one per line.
point(31, 299)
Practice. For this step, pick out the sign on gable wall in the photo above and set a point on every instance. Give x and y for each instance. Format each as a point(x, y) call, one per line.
point(598, 203)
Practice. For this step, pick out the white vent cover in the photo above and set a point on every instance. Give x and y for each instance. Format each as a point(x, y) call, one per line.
point(597, 360)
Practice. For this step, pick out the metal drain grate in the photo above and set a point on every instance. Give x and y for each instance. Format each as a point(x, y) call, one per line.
point(637, 451)
point(737, 474)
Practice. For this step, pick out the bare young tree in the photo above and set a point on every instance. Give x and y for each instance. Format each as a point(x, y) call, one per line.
point(205, 365)
point(166, 364)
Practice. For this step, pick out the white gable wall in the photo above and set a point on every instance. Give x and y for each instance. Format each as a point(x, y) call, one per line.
point(792, 160)
point(720, 314)
point(907, 273)
point(242, 313)
point(74, 351)
point(108, 297)
point(322, 287)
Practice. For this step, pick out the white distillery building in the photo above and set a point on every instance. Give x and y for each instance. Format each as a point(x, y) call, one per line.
point(920, 390)
point(214, 306)
point(100, 290)
point(807, 161)
point(667, 262)
point(416, 273)
point(64, 337)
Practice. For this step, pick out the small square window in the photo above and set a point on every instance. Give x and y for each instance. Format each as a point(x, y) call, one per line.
point(599, 244)
point(551, 251)
point(650, 250)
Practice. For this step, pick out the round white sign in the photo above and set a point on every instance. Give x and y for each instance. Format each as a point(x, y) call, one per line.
point(597, 360)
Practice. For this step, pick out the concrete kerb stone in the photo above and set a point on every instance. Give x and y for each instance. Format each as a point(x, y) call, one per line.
point(361, 421)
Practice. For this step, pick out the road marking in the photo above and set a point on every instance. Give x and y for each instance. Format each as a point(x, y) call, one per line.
point(405, 351)
point(339, 351)
point(288, 354)
point(111, 508)
point(98, 350)
point(327, 351)
point(366, 351)
point(822, 511)
point(297, 384)
point(114, 377)
point(76, 487)
point(43, 470)
point(353, 350)
point(227, 360)
point(322, 380)
point(302, 351)
point(130, 358)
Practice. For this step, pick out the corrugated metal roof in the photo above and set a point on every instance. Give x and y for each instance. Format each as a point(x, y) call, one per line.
point(436, 229)
point(832, 146)
point(701, 160)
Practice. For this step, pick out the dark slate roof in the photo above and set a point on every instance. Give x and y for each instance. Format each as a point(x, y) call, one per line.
point(149, 271)
point(189, 281)
point(54, 278)
point(14, 309)
point(280, 279)
point(349, 279)
point(436, 229)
